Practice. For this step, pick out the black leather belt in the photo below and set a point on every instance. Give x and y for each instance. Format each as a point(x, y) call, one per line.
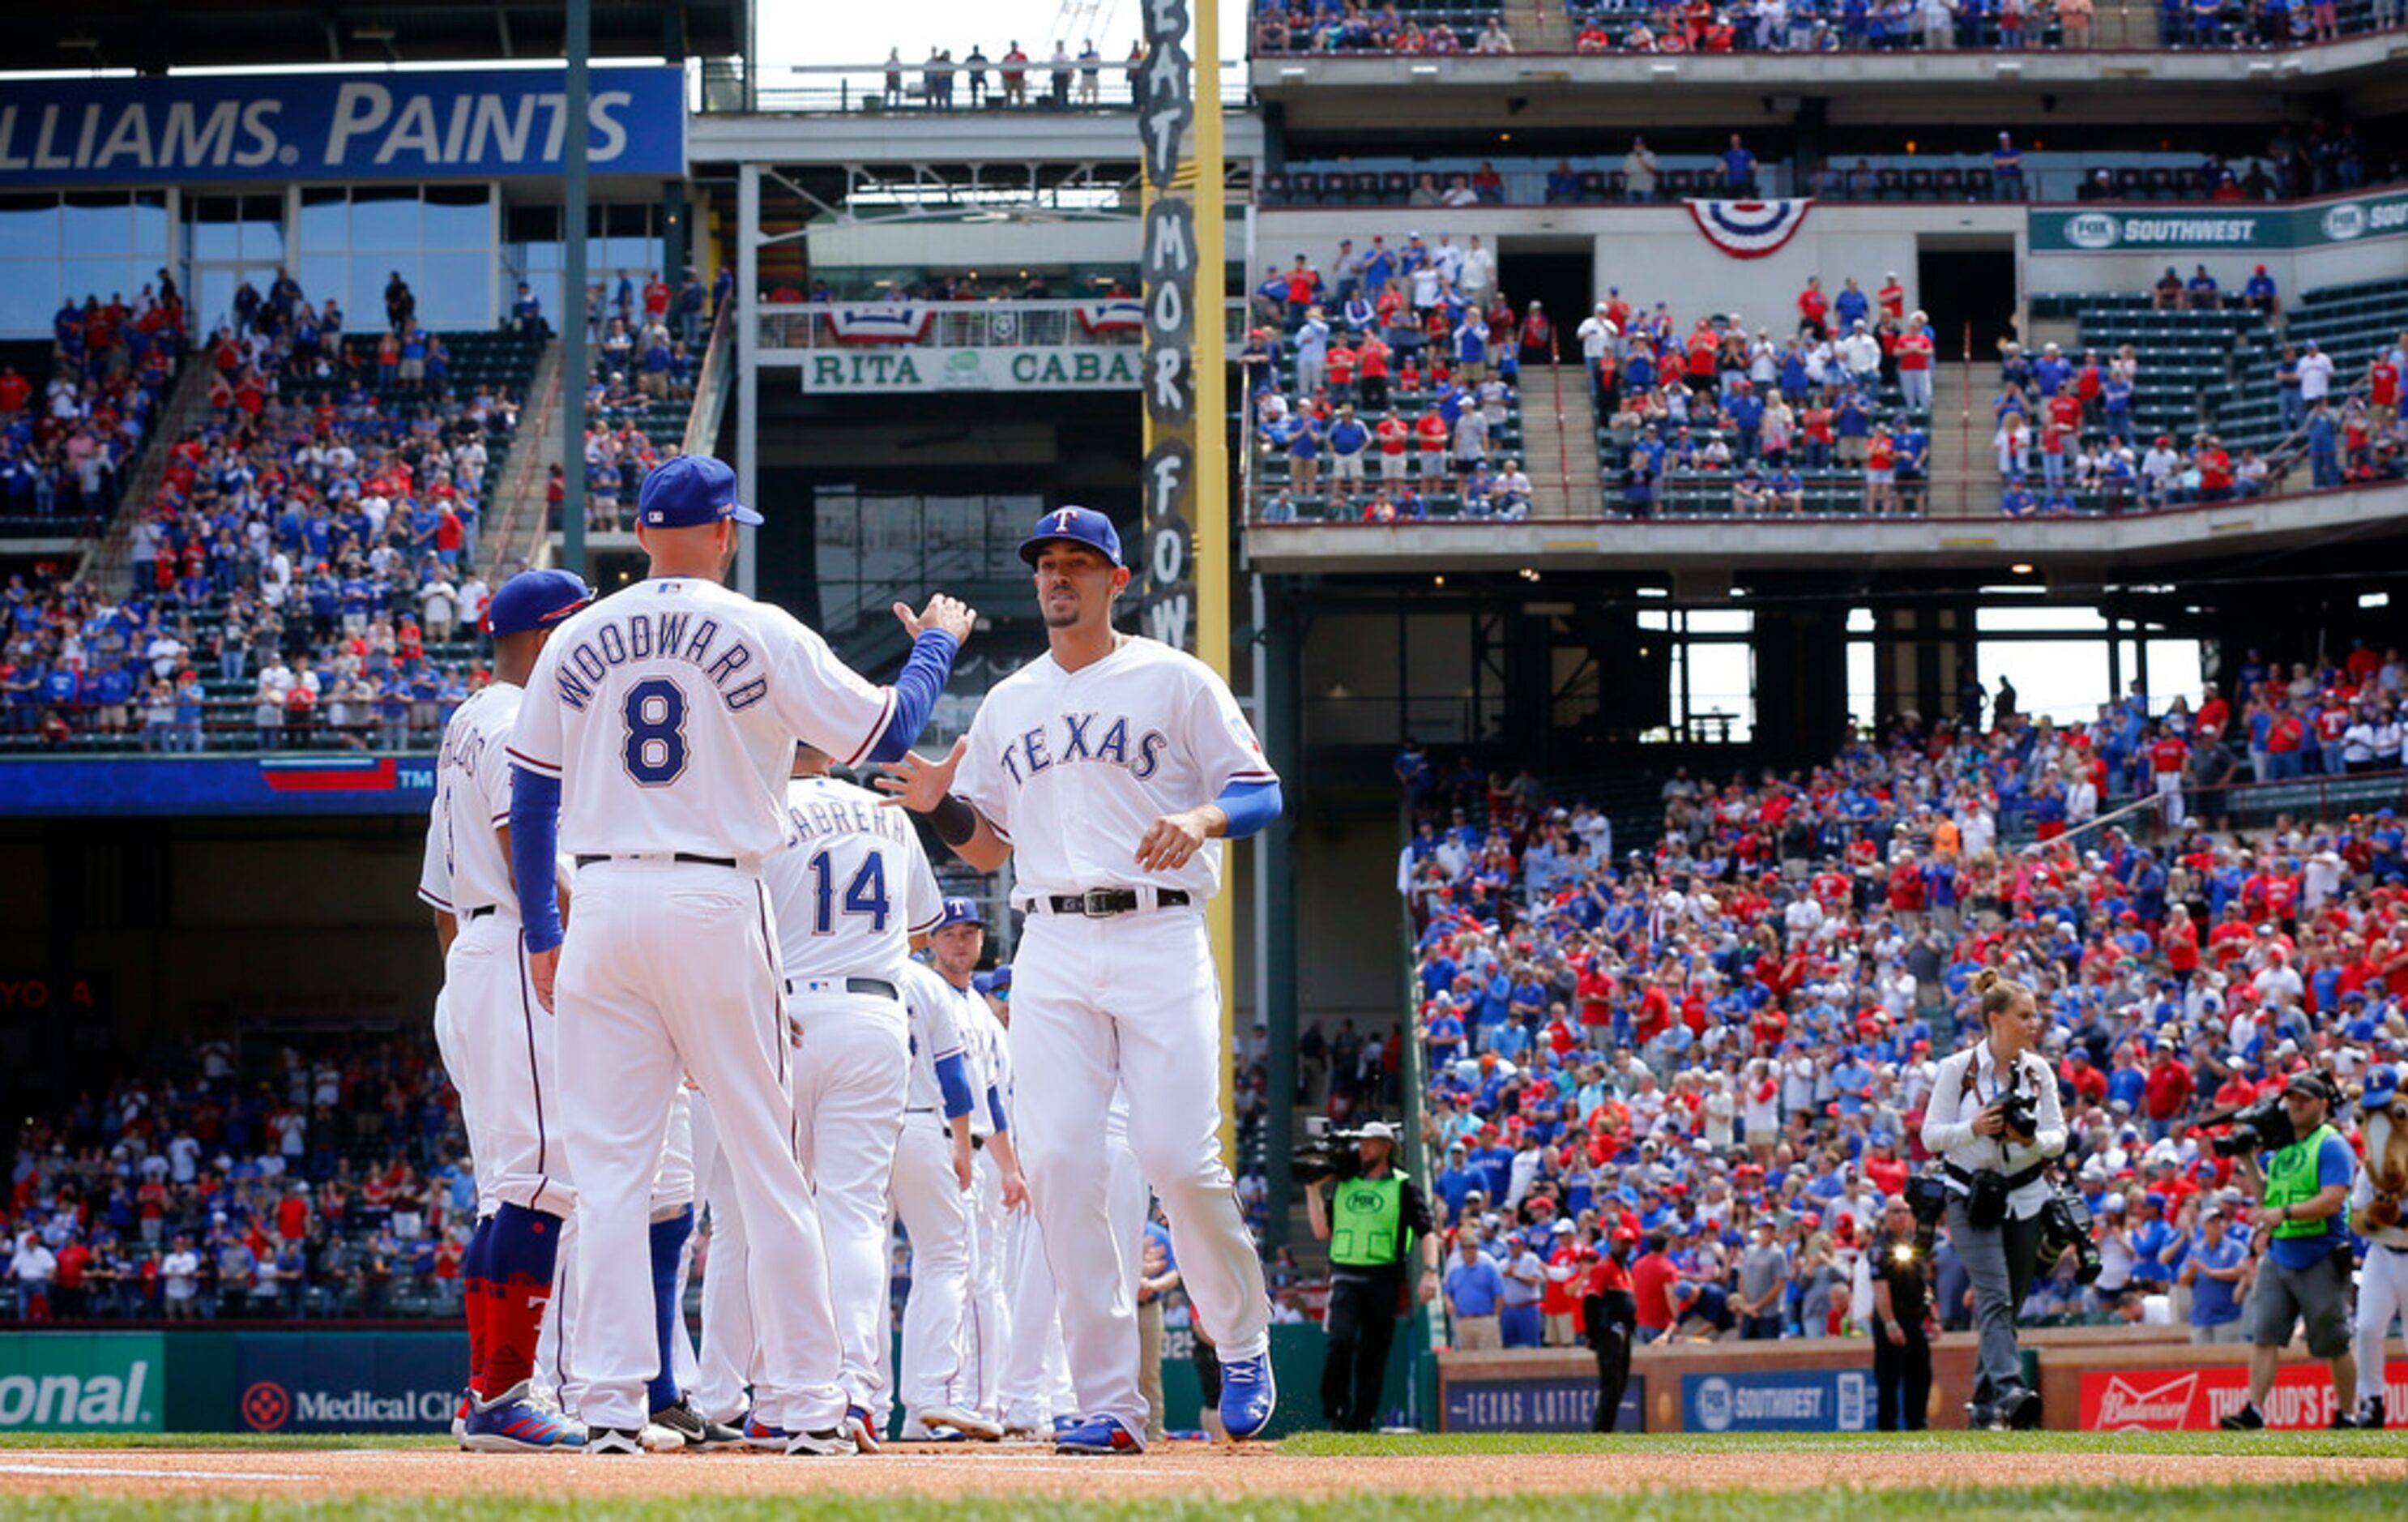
point(876, 987)
point(482, 911)
point(1099, 903)
point(688, 857)
point(2014, 1181)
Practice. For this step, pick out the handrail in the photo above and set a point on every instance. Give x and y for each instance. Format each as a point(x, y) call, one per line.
point(498, 547)
point(712, 386)
point(2225, 792)
point(1965, 433)
point(1556, 383)
point(1416, 1094)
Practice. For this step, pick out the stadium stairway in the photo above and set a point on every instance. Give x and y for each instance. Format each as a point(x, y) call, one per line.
point(1963, 463)
point(519, 515)
point(110, 559)
point(1559, 442)
point(1536, 27)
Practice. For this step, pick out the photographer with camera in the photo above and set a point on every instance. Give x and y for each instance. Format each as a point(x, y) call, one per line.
point(1374, 1219)
point(2304, 1190)
point(1995, 1119)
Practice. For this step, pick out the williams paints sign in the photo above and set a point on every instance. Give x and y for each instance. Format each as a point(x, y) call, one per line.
point(81, 1382)
point(475, 123)
point(1538, 1405)
point(2195, 1399)
point(858, 370)
point(1786, 1400)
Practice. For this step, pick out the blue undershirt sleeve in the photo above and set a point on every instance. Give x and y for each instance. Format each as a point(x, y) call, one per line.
point(953, 1082)
point(994, 1109)
point(917, 687)
point(1250, 805)
point(535, 847)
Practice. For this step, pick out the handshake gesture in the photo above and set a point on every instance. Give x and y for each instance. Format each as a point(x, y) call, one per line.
point(950, 614)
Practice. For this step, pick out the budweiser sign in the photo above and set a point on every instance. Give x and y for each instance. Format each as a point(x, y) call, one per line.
point(2176, 1399)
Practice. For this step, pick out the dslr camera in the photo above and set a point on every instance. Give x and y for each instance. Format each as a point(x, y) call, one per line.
point(2262, 1126)
point(1926, 1196)
point(2066, 1223)
point(1325, 1153)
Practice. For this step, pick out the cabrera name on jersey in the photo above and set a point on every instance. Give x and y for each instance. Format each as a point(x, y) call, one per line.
point(1073, 767)
point(853, 888)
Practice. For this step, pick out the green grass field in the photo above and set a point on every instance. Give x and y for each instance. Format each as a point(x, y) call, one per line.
point(2319, 1501)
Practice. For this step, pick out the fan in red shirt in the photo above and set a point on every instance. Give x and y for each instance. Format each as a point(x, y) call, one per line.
point(2169, 1087)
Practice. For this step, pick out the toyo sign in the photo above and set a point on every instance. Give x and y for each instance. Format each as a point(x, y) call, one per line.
point(886, 369)
point(2218, 227)
point(81, 1382)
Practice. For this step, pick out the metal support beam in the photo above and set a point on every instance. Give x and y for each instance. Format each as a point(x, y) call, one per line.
point(747, 368)
point(1278, 715)
point(574, 366)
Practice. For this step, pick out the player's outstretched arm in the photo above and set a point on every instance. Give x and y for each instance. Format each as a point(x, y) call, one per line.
point(925, 787)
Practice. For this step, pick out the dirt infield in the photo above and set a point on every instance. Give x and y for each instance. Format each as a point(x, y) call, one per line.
point(1189, 1469)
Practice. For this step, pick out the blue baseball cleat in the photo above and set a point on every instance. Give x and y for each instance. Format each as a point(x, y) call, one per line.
point(512, 1423)
point(1099, 1435)
point(1249, 1395)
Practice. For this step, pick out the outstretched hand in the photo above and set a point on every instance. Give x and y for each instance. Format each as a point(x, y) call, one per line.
point(950, 614)
point(918, 783)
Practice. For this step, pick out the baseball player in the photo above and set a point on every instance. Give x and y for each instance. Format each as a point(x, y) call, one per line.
point(995, 1188)
point(852, 894)
point(654, 746)
point(497, 1045)
point(1112, 769)
point(2376, 1213)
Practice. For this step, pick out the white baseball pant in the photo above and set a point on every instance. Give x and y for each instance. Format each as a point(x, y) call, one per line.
point(1132, 999)
point(853, 1066)
point(984, 1327)
point(936, 1215)
point(672, 969)
point(2382, 1294)
point(455, 1067)
point(1036, 1378)
point(498, 1046)
point(723, 1367)
point(672, 1191)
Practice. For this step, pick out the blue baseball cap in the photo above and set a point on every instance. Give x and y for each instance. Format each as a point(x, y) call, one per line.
point(960, 912)
point(997, 981)
point(689, 491)
point(536, 599)
point(1078, 525)
point(2382, 1088)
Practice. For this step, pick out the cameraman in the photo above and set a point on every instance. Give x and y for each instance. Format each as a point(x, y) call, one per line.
point(1997, 1170)
point(2302, 1191)
point(1375, 1216)
point(1901, 1346)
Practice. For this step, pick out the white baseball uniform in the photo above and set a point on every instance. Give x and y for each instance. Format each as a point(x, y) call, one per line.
point(933, 1206)
point(1072, 767)
point(497, 1041)
point(1036, 1375)
point(670, 711)
point(984, 1327)
point(850, 893)
point(2381, 1290)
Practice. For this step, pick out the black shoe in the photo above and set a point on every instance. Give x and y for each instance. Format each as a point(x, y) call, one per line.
point(2369, 1414)
point(2247, 1419)
point(2343, 1421)
point(698, 1430)
point(2019, 1411)
point(614, 1440)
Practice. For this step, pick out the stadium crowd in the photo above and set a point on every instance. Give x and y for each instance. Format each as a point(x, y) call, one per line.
point(1711, 1054)
point(299, 1180)
point(305, 573)
point(66, 441)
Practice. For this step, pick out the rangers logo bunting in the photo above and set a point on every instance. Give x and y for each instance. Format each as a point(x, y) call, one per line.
point(883, 324)
point(1119, 314)
point(1749, 229)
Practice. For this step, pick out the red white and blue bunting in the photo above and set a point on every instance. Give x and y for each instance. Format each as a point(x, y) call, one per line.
point(887, 322)
point(1117, 314)
point(1749, 229)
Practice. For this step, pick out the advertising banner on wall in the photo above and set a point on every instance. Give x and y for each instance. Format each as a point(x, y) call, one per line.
point(885, 371)
point(1538, 1405)
point(82, 1382)
point(351, 1382)
point(468, 124)
point(2195, 1399)
point(2222, 227)
point(1779, 1400)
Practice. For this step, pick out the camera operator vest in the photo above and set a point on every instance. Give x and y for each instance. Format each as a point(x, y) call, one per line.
point(1366, 1220)
point(2291, 1180)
